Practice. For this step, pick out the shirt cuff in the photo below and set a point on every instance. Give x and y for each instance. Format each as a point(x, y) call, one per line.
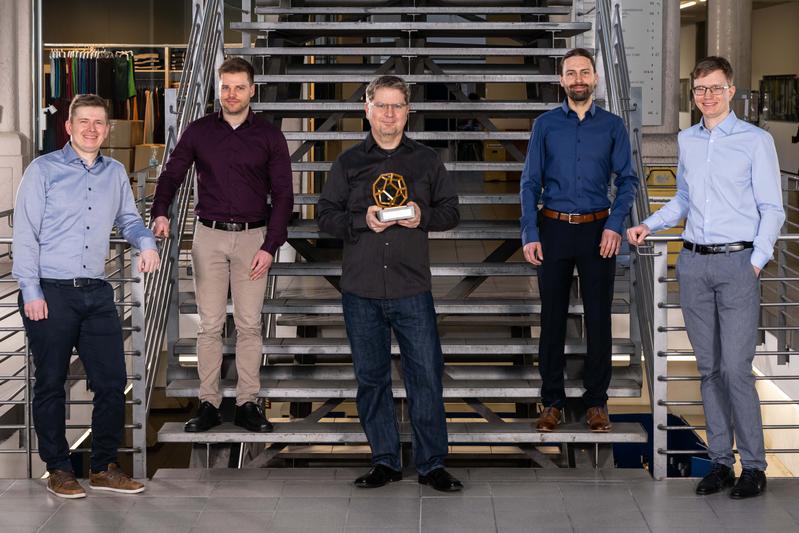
point(654, 223)
point(32, 291)
point(147, 243)
point(759, 258)
point(614, 224)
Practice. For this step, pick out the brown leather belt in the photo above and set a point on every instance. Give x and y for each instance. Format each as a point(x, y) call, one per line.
point(231, 226)
point(575, 218)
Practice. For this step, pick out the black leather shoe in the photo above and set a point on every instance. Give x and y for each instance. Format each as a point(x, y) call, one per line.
point(378, 476)
point(251, 417)
point(719, 478)
point(207, 417)
point(441, 480)
point(751, 483)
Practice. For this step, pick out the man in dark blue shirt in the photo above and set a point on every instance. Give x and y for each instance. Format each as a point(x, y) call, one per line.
point(573, 151)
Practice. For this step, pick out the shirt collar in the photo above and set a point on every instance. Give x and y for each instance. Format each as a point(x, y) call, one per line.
point(370, 142)
point(725, 126)
point(250, 116)
point(564, 105)
point(70, 155)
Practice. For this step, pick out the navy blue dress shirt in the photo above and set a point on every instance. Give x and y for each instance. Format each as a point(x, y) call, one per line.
point(572, 161)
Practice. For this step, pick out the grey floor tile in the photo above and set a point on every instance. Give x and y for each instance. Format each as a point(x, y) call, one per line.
point(330, 489)
point(55, 527)
point(181, 473)
point(549, 492)
point(238, 521)
point(308, 521)
point(75, 516)
point(568, 474)
point(610, 529)
point(317, 505)
point(467, 514)
point(232, 503)
point(349, 473)
point(502, 474)
point(471, 489)
point(303, 473)
point(401, 489)
point(28, 487)
point(151, 503)
point(677, 518)
point(351, 529)
point(612, 517)
point(240, 474)
point(24, 518)
point(4, 484)
point(626, 474)
point(381, 512)
point(248, 488)
point(157, 519)
point(41, 502)
point(177, 488)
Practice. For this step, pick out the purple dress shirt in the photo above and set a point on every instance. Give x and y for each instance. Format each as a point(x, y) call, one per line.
point(237, 170)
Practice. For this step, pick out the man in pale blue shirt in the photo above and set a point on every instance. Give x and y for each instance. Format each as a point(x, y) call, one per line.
point(728, 186)
point(66, 206)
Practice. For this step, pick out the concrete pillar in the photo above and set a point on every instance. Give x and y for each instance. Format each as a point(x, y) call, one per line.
point(16, 101)
point(659, 143)
point(729, 34)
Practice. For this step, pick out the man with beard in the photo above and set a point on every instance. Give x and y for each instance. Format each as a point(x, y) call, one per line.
point(572, 153)
point(240, 160)
point(386, 284)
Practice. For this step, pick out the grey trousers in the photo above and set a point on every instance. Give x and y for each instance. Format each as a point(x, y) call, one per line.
point(720, 297)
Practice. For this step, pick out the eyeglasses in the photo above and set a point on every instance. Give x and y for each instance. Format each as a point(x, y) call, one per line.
point(385, 107)
point(715, 90)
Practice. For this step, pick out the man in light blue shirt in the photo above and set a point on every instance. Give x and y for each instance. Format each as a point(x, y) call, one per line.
point(728, 186)
point(66, 206)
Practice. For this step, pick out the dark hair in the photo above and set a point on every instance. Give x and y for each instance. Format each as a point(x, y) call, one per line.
point(232, 65)
point(711, 64)
point(87, 100)
point(391, 82)
point(578, 52)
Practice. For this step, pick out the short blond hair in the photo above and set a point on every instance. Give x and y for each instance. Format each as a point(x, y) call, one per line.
point(87, 100)
point(387, 82)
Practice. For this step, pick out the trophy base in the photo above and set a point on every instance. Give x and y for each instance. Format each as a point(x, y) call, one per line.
point(389, 214)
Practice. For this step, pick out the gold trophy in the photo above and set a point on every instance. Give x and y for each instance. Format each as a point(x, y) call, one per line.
point(391, 194)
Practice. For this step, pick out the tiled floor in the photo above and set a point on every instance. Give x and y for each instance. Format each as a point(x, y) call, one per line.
point(324, 500)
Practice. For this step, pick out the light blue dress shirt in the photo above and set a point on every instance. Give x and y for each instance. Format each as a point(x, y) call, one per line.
point(569, 166)
point(729, 186)
point(64, 215)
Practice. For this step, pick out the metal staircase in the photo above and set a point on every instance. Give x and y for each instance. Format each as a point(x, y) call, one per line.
point(313, 58)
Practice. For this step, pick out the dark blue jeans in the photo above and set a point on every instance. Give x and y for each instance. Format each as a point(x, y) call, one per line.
point(369, 324)
point(84, 318)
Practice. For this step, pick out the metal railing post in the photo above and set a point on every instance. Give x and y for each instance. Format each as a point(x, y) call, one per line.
point(659, 361)
point(139, 392)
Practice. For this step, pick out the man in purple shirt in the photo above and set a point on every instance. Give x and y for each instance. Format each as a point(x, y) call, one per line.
point(240, 160)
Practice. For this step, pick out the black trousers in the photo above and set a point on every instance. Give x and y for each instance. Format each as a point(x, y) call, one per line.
point(84, 318)
point(566, 246)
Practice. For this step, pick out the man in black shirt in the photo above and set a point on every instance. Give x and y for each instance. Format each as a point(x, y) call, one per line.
point(386, 284)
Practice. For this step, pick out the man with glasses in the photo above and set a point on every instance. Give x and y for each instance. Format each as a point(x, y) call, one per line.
point(573, 152)
point(728, 186)
point(386, 283)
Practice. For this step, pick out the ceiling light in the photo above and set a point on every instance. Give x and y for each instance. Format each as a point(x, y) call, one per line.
point(687, 4)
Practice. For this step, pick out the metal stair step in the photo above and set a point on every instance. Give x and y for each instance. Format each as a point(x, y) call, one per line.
point(411, 78)
point(412, 10)
point(427, 107)
point(307, 390)
point(467, 306)
point(517, 30)
point(477, 321)
point(443, 269)
point(463, 199)
point(418, 135)
point(488, 230)
point(340, 346)
point(452, 166)
point(300, 432)
point(381, 50)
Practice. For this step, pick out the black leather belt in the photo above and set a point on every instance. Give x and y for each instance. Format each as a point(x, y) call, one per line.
point(232, 226)
point(76, 282)
point(717, 248)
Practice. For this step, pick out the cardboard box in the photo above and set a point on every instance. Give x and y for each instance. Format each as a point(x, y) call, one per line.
point(146, 154)
point(124, 134)
point(123, 155)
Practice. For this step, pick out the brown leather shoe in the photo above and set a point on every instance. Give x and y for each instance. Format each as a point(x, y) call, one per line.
point(115, 480)
point(597, 419)
point(548, 420)
point(64, 485)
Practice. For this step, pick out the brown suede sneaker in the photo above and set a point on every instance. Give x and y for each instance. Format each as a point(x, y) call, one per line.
point(64, 485)
point(597, 419)
point(549, 419)
point(115, 480)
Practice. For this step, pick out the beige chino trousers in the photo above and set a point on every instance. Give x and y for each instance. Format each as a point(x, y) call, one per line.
point(222, 259)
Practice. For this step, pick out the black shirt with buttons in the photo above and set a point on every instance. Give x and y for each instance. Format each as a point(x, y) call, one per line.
point(396, 262)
